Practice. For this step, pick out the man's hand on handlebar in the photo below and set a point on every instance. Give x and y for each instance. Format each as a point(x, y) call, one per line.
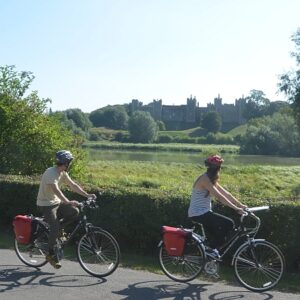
point(74, 203)
point(92, 196)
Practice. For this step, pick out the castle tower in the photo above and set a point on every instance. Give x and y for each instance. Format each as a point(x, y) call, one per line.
point(191, 109)
point(240, 105)
point(157, 109)
point(135, 105)
point(218, 104)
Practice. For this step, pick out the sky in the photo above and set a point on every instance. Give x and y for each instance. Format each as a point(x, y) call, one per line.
point(93, 53)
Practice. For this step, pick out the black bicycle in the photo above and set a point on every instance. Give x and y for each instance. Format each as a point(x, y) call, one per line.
point(258, 264)
point(98, 252)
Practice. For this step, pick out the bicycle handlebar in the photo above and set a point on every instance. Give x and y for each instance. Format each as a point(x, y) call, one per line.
point(250, 212)
point(89, 202)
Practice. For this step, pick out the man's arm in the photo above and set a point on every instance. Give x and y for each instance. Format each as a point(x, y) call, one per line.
point(56, 190)
point(77, 188)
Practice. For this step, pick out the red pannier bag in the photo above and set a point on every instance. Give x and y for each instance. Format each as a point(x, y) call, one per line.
point(23, 228)
point(174, 240)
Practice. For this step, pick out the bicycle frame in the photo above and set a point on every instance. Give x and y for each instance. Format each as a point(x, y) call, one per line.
point(241, 232)
point(81, 223)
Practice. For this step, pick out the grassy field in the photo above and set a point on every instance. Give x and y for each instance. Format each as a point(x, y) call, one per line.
point(165, 147)
point(245, 182)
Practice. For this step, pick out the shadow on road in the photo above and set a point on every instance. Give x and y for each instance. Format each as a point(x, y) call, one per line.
point(151, 290)
point(231, 295)
point(15, 277)
point(162, 290)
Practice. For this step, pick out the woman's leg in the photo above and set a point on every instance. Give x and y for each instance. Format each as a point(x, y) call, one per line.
point(218, 226)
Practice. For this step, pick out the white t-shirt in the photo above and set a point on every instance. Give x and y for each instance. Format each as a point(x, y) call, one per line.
point(46, 196)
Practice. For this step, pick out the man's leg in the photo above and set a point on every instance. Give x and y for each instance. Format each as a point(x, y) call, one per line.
point(67, 213)
point(50, 214)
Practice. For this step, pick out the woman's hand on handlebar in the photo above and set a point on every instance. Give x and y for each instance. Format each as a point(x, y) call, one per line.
point(243, 206)
point(241, 211)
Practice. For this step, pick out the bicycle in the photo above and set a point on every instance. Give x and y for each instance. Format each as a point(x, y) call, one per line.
point(258, 265)
point(97, 251)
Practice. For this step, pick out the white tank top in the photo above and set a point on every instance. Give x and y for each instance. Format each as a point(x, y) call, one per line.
point(200, 203)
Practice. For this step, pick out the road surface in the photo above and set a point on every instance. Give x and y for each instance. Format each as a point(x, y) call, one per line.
point(18, 282)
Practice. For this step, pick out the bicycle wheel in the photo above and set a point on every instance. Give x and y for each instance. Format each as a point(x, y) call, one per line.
point(98, 252)
point(33, 254)
point(186, 267)
point(258, 267)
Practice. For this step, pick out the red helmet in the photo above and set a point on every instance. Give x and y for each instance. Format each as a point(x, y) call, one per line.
point(214, 160)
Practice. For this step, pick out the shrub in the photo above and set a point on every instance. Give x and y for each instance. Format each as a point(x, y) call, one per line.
point(135, 215)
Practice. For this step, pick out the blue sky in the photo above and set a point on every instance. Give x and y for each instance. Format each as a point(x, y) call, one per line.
point(88, 54)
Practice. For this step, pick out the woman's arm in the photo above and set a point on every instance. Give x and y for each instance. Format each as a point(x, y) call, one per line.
point(206, 183)
point(229, 196)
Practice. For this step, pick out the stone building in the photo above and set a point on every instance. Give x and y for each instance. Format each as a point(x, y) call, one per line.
point(189, 115)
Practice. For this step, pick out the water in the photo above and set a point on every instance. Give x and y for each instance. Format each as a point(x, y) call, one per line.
point(187, 157)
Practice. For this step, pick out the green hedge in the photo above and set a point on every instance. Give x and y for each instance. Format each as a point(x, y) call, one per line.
point(135, 216)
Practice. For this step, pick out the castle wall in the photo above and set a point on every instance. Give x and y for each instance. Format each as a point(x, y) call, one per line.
point(178, 117)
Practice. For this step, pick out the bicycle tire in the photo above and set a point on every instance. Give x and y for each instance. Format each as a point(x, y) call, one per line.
point(98, 252)
point(186, 267)
point(263, 275)
point(33, 254)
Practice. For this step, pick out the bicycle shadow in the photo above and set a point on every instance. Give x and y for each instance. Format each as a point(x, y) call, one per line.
point(154, 290)
point(232, 295)
point(149, 290)
point(16, 277)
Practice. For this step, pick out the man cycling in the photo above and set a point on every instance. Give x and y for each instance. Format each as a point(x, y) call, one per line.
point(53, 204)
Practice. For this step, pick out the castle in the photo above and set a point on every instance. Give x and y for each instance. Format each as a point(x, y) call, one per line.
point(179, 117)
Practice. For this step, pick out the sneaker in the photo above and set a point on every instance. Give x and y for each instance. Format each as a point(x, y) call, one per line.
point(213, 253)
point(52, 259)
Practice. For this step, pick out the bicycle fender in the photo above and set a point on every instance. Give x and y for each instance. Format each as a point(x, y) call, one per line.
point(247, 242)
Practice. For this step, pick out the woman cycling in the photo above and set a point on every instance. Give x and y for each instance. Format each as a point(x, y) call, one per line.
point(205, 186)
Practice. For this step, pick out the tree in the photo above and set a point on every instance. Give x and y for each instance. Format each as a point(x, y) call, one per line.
point(114, 117)
point(80, 119)
point(29, 138)
point(161, 125)
point(142, 127)
point(257, 105)
point(212, 121)
point(290, 81)
point(272, 135)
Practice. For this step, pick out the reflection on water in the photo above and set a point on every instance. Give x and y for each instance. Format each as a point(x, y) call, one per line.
point(186, 157)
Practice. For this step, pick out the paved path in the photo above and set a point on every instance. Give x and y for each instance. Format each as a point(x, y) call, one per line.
point(18, 282)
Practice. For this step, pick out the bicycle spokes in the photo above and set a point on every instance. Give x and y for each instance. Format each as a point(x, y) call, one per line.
point(259, 267)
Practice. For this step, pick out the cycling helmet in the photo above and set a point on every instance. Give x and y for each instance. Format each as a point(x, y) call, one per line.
point(63, 157)
point(214, 161)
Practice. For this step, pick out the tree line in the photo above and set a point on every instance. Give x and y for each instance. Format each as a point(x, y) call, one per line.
point(30, 135)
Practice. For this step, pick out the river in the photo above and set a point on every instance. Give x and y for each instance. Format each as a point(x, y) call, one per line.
point(187, 157)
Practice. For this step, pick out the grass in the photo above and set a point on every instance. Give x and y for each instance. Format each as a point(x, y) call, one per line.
point(245, 182)
point(240, 130)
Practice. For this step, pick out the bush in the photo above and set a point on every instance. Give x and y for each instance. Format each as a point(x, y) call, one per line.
point(165, 139)
point(135, 216)
point(29, 138)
